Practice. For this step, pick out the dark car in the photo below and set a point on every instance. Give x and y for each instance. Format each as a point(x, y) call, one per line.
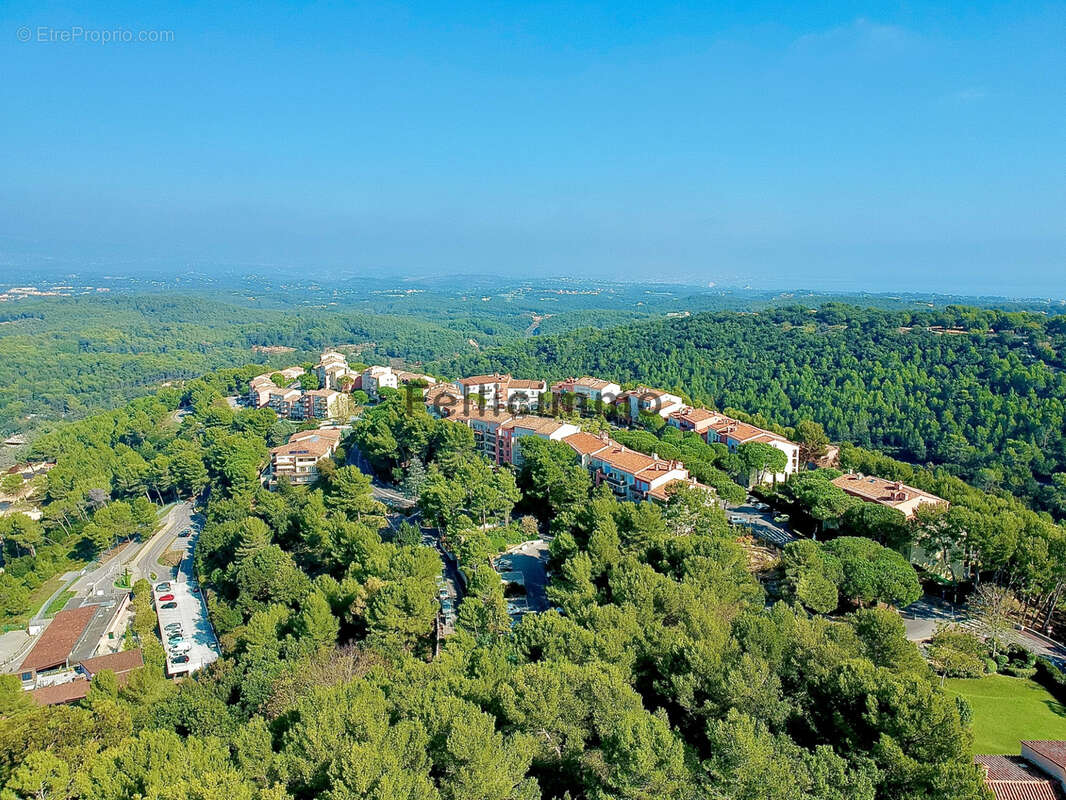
point(185, 533)
point(165, 598)
point(171, 604)
point(179, 660)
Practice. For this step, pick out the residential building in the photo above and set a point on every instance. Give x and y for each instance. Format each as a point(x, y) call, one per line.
point(77, 687)
point(323, 404)
point(520, 427)
point(287, 403)
point(445, 400)
point(298, 459)
point(893, 494)
point(486, 424)
point(697, 420)
point(587, 391)
point(331, 368)
point(377, 377)
point(503, 391)
point(491, 388)
point(733, 433)
point(629, 474)
point(403, 378)
point(648, 401)
point(1037, 774)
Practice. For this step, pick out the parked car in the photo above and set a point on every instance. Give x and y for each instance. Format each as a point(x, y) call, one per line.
point(163, 587)
point(182, 646)
point(172, 625)
point(782, 518)
point(184, 533)
point(179, 660)
point(166, 598)
point(174, 632)
point(169, 605)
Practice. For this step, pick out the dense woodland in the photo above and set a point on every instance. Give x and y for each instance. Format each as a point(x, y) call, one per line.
point(662, 673)
point(979, 392)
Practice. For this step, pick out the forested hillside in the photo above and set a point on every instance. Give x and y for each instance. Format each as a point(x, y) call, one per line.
point(981, 392)
point(661, 671)
point(60, 358)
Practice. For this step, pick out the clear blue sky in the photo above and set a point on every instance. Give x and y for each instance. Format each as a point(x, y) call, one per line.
point(870, 146)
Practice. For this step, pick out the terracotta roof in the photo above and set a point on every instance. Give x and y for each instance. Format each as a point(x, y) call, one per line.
point(624, 459)
point(592, 383)
point(487, 414)
point(479, 380)
point(660, 492)
point(58, 639)
point(892, 493)
point(333, 434)
point(542, 425)
point(1054, 750)
point(1013, 778)
point(118, 663)
point(521, 383)
point(586, 443)
point(61, 693)
point(315, 445)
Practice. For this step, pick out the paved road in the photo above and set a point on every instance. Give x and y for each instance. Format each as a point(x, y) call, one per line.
point(922, 618)
point(760, 523)
point(452, 586)
point(381, 492)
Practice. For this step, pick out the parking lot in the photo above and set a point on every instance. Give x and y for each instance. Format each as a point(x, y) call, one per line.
point(190, 612)
point(759, 520)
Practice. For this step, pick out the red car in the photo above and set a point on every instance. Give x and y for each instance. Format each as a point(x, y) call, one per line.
point(166, 598)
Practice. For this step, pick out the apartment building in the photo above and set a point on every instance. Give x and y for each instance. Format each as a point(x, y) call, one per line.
point(261, 386)
point(513, 431)
point(376, 377)
point(733, 433)
point(332, 370)
point(630, 475)
point(503, 391)
point(648, 401)
point(696, 420)
point(298, 459)
point(588, 392)
point(322, 404)
point(486, 424)
point(893, 494)
point(287, 403)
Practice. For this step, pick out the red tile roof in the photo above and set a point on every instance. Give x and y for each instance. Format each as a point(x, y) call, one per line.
point(118, 663)
point(586, 443)
point(870, 487)
point(480, 380)
point(58, 639)
point(1054, 750)
point(61, 693)
point(1013, 778)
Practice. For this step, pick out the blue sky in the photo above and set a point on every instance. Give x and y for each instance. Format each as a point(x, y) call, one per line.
point(866, 146)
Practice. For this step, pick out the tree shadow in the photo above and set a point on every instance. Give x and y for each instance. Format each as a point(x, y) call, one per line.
point(1057, 708)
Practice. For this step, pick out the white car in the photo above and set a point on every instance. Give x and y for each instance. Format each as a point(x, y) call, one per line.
point(180, 646)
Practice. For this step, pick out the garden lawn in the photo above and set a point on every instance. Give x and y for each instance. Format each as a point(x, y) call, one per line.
point(1008, 710)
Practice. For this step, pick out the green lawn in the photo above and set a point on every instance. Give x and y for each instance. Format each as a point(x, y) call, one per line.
point(1007, 710)
point(57, 605)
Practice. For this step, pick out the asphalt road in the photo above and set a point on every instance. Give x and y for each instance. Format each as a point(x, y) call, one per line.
point(531, 559)
point(921, 619)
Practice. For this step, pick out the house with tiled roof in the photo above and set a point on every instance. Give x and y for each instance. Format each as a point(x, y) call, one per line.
point(53, 649)
point(697, 420)
point(540, 427)
point(1037, 774)
point(893, 494)
point(297, 460)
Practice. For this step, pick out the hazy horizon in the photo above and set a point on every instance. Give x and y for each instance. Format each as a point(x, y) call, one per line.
point(877, 147)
